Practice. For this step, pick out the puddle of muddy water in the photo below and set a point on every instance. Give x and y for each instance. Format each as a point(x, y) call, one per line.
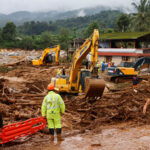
point(111, 138)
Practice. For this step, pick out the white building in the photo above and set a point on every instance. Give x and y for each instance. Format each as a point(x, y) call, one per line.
point(118, 47)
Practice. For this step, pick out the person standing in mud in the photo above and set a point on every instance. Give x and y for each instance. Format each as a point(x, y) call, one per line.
point(52, 105)
point(103, 66)
point(1, 121)
point(135, 82)
point(63, 71)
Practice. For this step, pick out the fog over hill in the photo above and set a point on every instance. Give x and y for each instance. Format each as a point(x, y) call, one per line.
point(23, 16)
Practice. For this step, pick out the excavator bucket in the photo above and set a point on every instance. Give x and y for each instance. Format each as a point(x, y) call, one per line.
point(94, 88)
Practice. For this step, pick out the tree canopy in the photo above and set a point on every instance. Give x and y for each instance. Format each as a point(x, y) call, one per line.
point(39, 35)
point(9, 32)
point(122, 23)
point(141, 19)
point(90, 28)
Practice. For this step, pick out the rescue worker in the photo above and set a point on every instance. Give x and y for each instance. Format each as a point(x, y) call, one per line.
point(98, 66)
point(109, 64)
point(1, 126)
point(112, 64)
point(63, 71)
point(106, 66)
point(51, 107)
point(1, 121)
point(58, 71)
point(135, 82)
point(103, 66)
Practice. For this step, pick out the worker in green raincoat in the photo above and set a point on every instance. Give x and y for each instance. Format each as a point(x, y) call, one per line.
point(98, 66)
point(52, 105)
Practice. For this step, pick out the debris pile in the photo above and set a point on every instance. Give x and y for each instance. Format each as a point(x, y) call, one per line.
point(23, 89)
point(9, 57)
point(16, 56)
point(116, 107)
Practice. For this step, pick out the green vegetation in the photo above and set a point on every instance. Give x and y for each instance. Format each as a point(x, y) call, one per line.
point(122, 35)
point(122, 23)
point(106, 19)
point(48, 16)
point(90, 28)
point(112, 24)
point(142, 17)
point(64, 38)
point(9, 32)
point(39, 35)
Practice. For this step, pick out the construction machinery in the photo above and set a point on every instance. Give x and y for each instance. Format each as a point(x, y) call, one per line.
point(126, 70)
point(141, 62)
point(47, 56)
point(82, 80)
point(116, 74)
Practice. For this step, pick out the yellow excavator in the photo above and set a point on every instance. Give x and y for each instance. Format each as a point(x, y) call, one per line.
point(122, 72)
point(126, 70)
point(47, 57)
point(82, 80)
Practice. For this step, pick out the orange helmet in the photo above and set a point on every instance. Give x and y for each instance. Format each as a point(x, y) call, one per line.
point(50, 87)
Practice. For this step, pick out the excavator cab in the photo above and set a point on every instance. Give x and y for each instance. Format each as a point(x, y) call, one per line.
point(48, 58)
point(84, 73)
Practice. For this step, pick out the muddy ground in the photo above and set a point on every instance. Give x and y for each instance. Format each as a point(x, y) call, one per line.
point(108, 123)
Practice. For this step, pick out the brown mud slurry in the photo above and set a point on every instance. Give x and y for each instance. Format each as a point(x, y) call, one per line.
point(118, 137)
point(87, 124)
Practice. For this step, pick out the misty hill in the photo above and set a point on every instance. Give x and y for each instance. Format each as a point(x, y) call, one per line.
point(106, 19)
point(24, 16)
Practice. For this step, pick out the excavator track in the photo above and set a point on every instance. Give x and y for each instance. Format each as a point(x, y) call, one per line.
point(122, 79)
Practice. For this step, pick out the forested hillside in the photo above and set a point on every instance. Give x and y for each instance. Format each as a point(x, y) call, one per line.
point(24, 16)
point(39, 34)
point(105, 19)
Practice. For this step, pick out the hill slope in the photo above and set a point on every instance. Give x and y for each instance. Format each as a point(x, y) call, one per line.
point(105, 18)
point(24, 16)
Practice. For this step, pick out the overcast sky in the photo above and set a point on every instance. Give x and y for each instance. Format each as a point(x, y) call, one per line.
point(8, 6)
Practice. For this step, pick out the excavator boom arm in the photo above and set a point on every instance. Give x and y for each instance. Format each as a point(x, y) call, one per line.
point(91, 44)
point(83, 80)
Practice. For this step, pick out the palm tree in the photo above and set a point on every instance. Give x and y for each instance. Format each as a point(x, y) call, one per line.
point(141, 19)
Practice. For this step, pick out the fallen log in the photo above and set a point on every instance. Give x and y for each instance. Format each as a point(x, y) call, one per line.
point(15, 63)
point(84, 110)
point(28, 103)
